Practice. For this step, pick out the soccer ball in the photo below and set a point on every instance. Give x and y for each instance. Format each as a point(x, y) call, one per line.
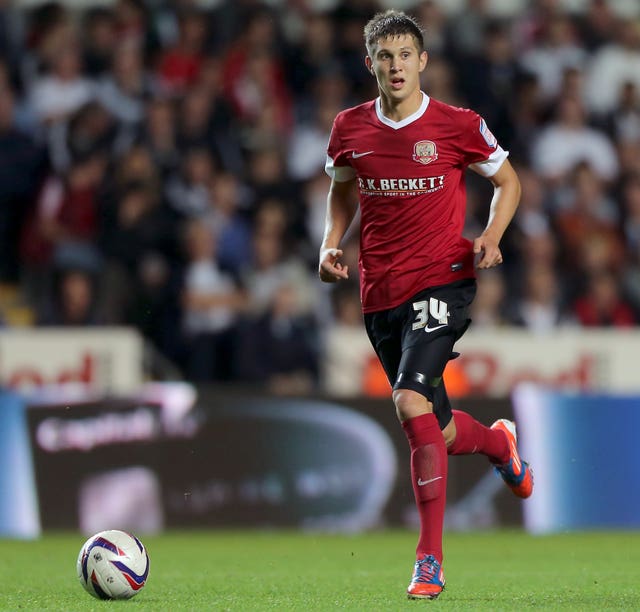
point(113, 565)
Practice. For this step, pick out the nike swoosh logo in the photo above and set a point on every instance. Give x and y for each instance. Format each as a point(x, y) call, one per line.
point(428, 330)
point(356, 155)
point(421, 482)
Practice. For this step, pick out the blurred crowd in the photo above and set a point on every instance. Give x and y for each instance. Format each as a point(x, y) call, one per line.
point(162, 167)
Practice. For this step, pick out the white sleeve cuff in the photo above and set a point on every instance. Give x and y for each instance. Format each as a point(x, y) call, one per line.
point(490, 166)
point(340, 174)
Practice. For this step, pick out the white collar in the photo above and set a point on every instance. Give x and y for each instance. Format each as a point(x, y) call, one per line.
point(396, 125)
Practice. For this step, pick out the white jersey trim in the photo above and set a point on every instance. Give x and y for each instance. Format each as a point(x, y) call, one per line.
point(491, 165)
point(340, 174)
point(396, 125)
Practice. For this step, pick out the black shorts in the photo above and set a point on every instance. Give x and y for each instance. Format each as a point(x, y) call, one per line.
point(414, 341)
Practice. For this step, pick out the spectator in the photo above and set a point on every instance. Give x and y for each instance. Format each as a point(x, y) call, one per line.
point(99, 40)
point(134, 166)
point(466, 31)
point(612, 66)
point(197, 126)
point(89, 130)
point(489, 78)
point(230, 223)
point(630, 195)
point(629, 155)
point(557, 50)
point(600, 252)
point(602, 304)
point(527, 117)
point(541, 247)
point(541, 308)
point(490, 306)
point(22, 169)
point(254, 73)
point(159, 134)
point(568, 141)
point(529, 25)
point(441, 82)
point(532, 216)
point(307, 147)
point(63, 229)
point(623, 122)
point(431, 14)
point(348, 19)
point(134, 25)
point(315, 207)
point(584, 209)
point(267, 180)
point(631, 211)
point(75, 300)
point(346, 347)
point(278, 348)
point(207, 118)
point(179, 66)
point(49, 28)
point(188, 192)
point(211, 302)
point(127, 86)
point(140, 247)
point(312, 57)
point(630, 281)
point(63, 88)
point(597, 25)
point(12, 23)
point(272, 266)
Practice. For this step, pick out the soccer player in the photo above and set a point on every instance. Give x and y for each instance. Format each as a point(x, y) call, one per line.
point(402, 157)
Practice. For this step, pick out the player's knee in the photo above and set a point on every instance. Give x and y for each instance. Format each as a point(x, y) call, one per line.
point(410, 404)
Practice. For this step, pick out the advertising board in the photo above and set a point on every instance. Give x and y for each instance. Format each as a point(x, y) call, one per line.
point(105, 359)
point(242, 460)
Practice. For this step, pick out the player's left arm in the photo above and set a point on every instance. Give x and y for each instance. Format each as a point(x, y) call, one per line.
point(506, 197)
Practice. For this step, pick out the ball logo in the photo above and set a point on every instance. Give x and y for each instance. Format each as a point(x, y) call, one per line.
point(425, 152)
point(113, 564)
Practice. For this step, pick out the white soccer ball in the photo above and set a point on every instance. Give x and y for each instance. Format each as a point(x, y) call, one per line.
point(113, 565)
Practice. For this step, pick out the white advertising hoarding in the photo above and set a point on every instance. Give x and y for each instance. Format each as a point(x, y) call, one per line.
point(494, 362)
point(103, 359)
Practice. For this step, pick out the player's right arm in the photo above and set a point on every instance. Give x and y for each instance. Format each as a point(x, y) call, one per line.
point(342, 205)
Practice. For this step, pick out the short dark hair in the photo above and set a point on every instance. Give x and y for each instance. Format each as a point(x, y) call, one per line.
point(392, 23)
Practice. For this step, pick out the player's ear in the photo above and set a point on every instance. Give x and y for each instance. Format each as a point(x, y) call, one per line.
point(424, 58)
point(369, 64)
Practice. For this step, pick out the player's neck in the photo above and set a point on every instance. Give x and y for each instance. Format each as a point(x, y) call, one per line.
point(397, 110)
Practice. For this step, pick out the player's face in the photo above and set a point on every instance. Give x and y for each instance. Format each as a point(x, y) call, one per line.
point(396, 63)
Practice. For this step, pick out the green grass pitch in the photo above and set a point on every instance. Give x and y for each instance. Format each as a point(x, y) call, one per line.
point(244, 570)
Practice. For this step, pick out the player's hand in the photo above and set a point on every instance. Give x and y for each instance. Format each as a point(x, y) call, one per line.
point(330, 269)
point(489, 251)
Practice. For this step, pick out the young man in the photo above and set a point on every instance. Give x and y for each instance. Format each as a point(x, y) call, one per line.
point(403, 157)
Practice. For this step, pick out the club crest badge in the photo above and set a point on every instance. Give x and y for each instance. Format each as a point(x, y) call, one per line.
point(425, 151)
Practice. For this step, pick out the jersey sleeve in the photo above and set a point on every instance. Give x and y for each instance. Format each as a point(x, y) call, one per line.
point(337, 165)
point(482, 152)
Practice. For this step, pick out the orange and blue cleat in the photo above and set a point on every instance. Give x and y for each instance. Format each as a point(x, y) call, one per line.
point(428, 579)
point(516, 473)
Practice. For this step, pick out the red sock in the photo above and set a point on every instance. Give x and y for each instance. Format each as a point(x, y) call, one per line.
point(474, 437)
point(429, 477)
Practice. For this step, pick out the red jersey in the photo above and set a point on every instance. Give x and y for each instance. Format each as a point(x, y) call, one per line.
point(412, 193)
